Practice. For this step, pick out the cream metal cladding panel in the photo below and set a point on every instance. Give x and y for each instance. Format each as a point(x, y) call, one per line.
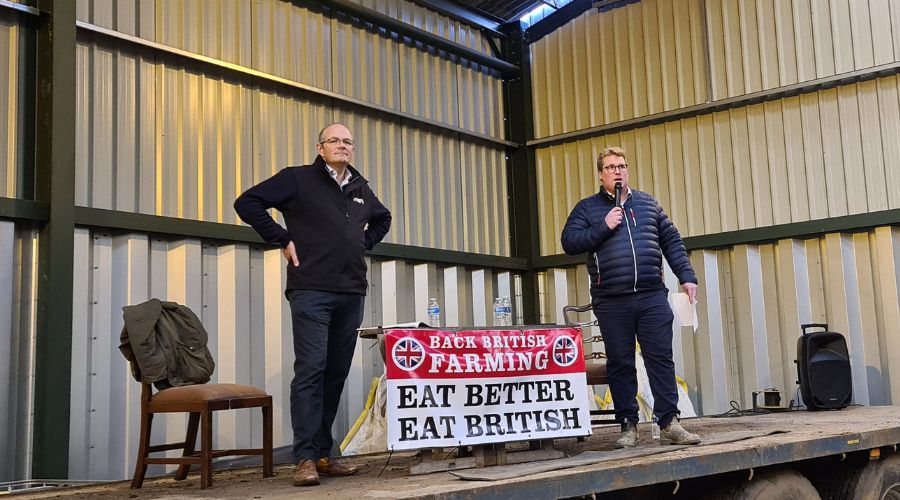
point(763, 44)
point(11, 50)
point(158, 139)
point(483, 214)
point(304, 45)
point(161, 138)
point(18, 288)
point(236, 290)
point(478, 92)
point(365, 64)
point(295, 43)
point(778, 162)
point(637, 60)
point(651, 56)
point(432, 190)
point(132, 17)
point(753, 299)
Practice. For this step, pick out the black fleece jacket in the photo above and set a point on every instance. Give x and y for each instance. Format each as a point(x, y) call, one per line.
point(327, 225)
point(626, 259)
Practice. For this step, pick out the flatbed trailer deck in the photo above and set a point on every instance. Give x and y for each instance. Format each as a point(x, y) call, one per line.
point(831, 448)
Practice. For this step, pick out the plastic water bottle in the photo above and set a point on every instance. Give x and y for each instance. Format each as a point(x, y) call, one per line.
point(507, 311)
point(498, 312)
point(434, 312)
point(654, 428)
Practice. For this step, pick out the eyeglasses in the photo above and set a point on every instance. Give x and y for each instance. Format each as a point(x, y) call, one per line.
point(335, 140)
point(614, 168)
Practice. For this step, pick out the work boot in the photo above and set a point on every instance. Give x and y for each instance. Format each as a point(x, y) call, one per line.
point(676, 434)
point(629, 437)
point(306, 474)
point(332, 467)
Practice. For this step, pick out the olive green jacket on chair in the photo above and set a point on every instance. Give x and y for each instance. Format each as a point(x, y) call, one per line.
point(165, 344)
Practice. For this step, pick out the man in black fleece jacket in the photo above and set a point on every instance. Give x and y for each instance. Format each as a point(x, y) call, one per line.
point(626, 244)
point(332, 218)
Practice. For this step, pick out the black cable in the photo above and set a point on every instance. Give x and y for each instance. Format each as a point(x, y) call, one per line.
point(737, 411)
point(387, 461)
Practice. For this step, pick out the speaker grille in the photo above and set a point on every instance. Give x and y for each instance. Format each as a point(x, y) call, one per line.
point(824, 370)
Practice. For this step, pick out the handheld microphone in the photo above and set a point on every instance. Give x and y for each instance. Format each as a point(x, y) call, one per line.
point(618, 194)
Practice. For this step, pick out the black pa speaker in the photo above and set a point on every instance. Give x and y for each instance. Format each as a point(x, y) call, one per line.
point(823, 369)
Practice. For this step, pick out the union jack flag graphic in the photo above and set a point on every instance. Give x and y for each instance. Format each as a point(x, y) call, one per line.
point(408, 354)
point(565, 352)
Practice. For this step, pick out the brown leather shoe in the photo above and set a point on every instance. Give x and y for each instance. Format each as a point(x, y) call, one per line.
point(306, 474)
point(332, 467)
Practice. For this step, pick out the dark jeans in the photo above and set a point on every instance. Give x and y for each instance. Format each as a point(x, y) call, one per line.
point(325, 326)
point(647, 317)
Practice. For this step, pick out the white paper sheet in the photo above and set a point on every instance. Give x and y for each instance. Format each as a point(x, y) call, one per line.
point(685, 311)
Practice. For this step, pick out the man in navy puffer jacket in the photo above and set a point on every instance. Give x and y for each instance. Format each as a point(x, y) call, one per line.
point(625, 246)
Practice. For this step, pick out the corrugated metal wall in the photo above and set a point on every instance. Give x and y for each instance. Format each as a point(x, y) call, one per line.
point(754, 297)
point(308, 47)
point(656, 55)
point(784, 161)
point(763, 44)
point(12, 40)
point(637, 60)
point(812, 156)
point(18, 277)
point(236, 290)
point(160, 138)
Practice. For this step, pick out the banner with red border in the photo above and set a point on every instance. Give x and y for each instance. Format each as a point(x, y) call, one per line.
point(469, 387)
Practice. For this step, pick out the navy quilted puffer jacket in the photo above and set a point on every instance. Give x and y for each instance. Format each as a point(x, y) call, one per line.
point(628, 258)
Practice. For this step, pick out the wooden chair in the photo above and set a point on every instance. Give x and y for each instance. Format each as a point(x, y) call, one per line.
point(200, 401)
point(595, 372)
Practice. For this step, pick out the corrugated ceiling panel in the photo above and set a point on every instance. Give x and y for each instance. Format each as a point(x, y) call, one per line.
point(736, 169)
point(11, 50)
point(640, 59)
point(764, 44)
point(747, 335)
point(18, 288)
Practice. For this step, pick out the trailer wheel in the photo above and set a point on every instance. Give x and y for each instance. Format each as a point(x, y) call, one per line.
point(783, 485)
point(877, 480)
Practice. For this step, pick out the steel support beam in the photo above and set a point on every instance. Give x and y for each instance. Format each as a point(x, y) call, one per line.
point(127, 222)
point(24, 210)
point(415, 34)
point(54, 185)
point(522, 179)
point(758, 236)
point(6, 4)
point(454, 11)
